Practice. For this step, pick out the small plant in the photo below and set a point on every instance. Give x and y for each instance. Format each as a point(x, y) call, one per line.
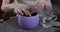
point(30, 9)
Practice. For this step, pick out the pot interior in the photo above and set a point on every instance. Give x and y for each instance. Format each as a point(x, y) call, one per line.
point(31, 14)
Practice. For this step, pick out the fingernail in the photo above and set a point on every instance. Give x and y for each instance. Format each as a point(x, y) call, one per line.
point(17, 14)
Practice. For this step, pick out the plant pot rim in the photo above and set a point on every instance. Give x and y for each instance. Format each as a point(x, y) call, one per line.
point(29, 16)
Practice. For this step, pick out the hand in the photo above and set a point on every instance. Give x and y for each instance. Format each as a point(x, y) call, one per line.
point(38, 6)
point(48, 5)
point(20, 8)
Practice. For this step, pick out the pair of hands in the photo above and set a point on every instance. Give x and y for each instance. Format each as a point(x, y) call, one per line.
point(20, 8)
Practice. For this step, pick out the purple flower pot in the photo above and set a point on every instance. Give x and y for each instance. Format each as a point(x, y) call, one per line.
point(28, 22)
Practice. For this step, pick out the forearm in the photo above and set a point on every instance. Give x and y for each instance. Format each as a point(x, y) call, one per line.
point(7, 7)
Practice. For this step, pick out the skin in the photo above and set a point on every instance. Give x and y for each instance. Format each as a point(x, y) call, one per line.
point(48, 4)
point(19, 7)
point(6, 6)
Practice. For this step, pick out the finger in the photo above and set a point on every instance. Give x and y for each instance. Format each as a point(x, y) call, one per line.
point(33, 9)
point(16, 12)
point(20, 11)
point(24, 10)
point(47, 7)
point(37, 4)
point(29, 13)
point(33, 12)
point(17, 15)
point(40, 7)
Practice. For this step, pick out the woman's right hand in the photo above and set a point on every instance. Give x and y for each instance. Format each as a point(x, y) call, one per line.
point(20, 8)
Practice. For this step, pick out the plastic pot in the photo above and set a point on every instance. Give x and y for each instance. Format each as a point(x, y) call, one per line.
point(28, 22)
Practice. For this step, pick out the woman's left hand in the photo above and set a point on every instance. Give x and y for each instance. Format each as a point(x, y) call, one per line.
point(38, 6)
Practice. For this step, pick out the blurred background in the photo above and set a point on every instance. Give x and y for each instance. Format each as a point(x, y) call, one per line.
point(56, 9)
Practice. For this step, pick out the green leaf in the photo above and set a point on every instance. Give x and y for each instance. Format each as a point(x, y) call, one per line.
point(29, 6)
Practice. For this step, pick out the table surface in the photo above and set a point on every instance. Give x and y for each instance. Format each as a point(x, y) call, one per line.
point(12, 26)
